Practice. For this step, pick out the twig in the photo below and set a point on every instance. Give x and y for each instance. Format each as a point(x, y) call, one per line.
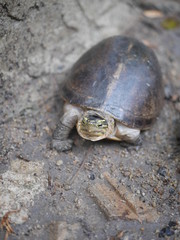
point(71, 180)
point(20, 156)
point(5, 223)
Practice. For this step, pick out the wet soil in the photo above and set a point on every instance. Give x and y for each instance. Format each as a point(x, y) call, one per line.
point(39, 42)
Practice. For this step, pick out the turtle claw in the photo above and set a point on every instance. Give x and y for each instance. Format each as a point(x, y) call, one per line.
point(62, 146)
point(138, 141)
point(130, 144)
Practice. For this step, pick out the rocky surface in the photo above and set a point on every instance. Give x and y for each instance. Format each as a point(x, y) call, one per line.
point(39, 42)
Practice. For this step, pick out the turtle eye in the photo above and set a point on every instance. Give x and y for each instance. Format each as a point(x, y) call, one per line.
point(97, 121)
point(101, 123)
point(93, 125)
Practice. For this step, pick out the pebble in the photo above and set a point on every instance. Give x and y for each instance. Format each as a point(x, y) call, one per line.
point(59, 162)
point(166, 231)
point(162, 171)
point(171, 190)
point(92, 176)
point(67, 187)
point(138, 191)
point(143, 193)
point(172, 223)
point(101, 176)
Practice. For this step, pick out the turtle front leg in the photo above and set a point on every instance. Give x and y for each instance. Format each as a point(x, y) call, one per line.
point(127, 134)
point(60, 139)
point(123, 133)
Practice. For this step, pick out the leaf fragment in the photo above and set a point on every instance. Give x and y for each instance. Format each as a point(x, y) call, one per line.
point(170, 23)
point(153, 14)
point(116, 201)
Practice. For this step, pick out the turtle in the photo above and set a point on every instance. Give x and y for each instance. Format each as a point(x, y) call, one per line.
point(113, 91)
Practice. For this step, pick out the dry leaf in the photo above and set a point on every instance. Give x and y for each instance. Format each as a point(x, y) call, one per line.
point(5, 223)
point(149, 44)
point(116, 201)
point(110, 202)
point(153, 14)
point(170, 23)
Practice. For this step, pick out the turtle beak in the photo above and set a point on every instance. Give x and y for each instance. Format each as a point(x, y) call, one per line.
point(94, 126)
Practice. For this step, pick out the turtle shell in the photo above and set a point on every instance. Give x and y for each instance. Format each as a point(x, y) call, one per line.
point(119, 76)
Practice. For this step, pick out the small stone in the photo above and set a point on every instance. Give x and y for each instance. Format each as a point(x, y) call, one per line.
point(78, 202)
point(171, 190)
point(38, 226)
point(169, 232)
point(101, 176)
point(162, 232)
point(67, 187)
point(138, 191)
point(162, 171)
point(59, 162)
point(166, 231)
point(143, 193)
point(92, 176)
point(47, 129)
point(26, 131)
point(172, 223)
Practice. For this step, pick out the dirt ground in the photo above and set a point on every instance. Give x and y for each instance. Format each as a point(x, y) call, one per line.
point(50, 195)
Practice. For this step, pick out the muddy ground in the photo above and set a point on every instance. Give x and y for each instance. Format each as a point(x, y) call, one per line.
point(39, 42)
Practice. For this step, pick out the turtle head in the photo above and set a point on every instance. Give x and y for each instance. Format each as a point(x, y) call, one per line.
point(95, 125)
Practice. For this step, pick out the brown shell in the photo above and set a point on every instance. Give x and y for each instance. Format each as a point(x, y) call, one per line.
point(119, 76)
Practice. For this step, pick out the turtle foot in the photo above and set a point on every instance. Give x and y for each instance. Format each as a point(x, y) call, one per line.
point(137, 142)
point(62, 146)
point(130, 144)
